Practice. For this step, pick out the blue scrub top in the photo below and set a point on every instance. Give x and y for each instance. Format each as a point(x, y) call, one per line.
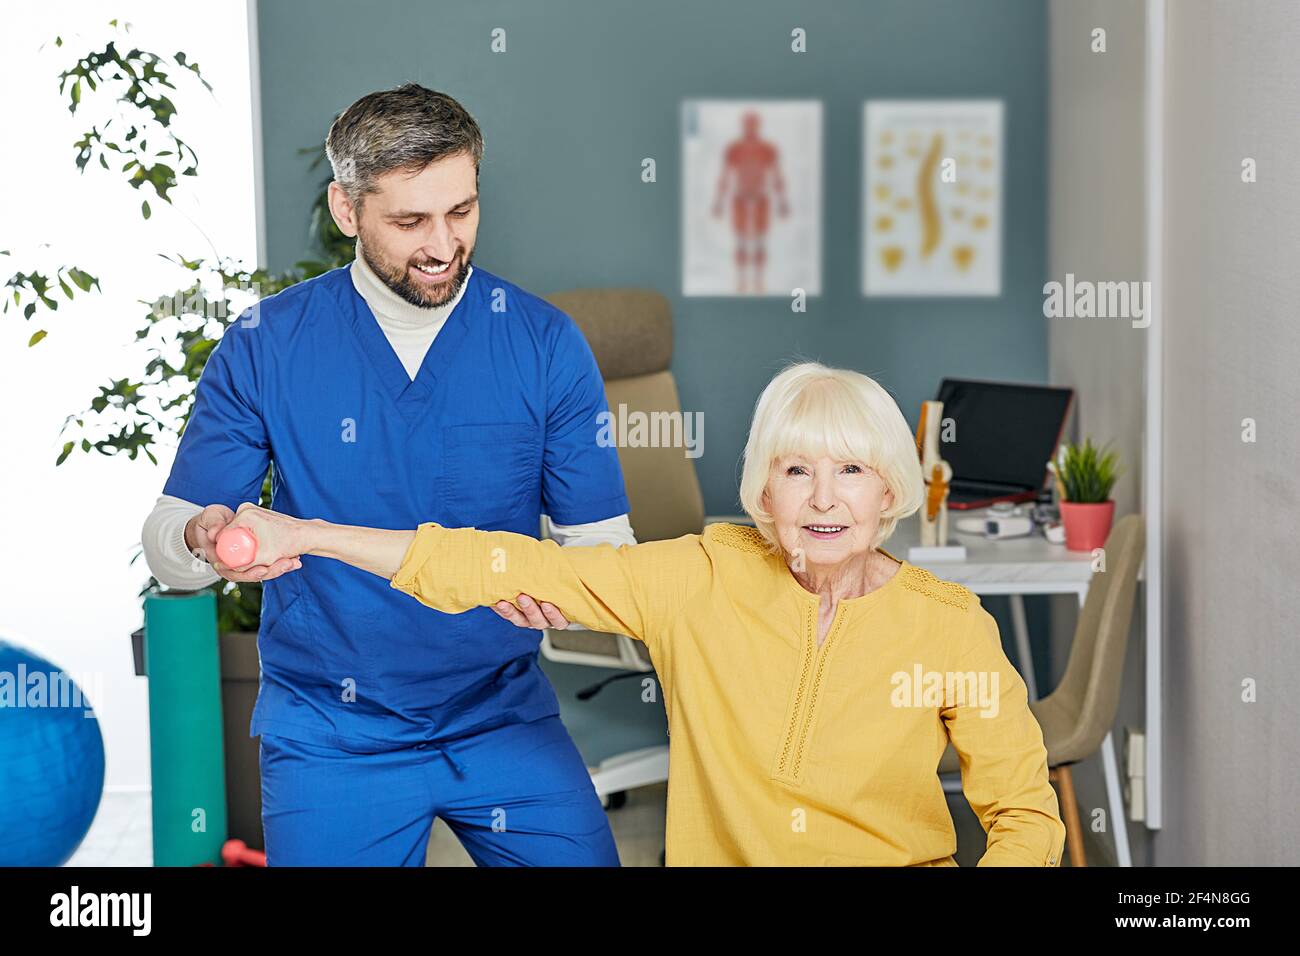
point(498, 427)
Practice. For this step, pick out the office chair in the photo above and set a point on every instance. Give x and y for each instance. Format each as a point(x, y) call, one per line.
point(630, 331)
point(1077, 716)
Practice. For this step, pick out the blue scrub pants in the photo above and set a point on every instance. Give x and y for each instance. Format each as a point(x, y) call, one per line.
point(517, 795)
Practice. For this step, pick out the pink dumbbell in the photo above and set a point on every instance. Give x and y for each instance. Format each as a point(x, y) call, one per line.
point(236, 547)
point(237, 853)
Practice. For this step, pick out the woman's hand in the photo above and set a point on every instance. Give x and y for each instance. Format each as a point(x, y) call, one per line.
point(280, 537)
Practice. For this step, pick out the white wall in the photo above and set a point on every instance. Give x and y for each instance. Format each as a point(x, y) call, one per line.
point(1231, 341)
point(67, 588)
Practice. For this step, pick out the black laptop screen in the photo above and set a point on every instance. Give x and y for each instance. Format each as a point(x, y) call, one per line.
point(1005, 433)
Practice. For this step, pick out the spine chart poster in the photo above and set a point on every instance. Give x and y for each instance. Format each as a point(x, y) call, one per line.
point(932, 198)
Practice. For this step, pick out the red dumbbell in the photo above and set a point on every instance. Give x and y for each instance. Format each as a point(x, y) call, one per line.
point(236, 547)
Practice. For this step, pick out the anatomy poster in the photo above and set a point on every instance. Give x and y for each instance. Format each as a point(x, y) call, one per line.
point(751, 197)
point(932, 197)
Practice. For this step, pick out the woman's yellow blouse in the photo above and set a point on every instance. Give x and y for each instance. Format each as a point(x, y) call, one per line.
point(784, 753)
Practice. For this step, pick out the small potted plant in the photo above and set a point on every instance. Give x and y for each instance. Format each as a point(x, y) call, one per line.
point(1085, 476)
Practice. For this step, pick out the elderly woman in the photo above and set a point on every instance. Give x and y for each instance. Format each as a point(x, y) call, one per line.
point(811, 679)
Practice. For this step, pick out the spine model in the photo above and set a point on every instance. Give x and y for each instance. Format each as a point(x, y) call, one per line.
point(937, 474)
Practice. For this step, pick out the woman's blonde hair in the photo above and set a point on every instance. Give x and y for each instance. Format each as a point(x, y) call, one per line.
point(811, 409)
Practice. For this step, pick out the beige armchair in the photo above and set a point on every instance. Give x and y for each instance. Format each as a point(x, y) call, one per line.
point(631, 334)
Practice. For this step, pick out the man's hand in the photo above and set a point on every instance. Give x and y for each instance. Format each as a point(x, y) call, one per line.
point(201, 536)
point(526, 612)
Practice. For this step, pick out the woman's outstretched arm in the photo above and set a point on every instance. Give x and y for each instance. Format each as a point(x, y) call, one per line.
point(282, 536)
point(371, 549)
point(629, 590)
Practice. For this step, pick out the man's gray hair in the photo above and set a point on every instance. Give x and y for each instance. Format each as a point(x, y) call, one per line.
point(404, 128)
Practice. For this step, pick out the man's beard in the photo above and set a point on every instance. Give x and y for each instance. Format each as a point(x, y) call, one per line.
point(398, 278)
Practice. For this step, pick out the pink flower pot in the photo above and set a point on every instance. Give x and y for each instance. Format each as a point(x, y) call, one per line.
point(1086, 525)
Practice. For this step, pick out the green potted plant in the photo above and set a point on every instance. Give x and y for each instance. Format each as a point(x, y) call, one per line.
point(130, 414)
point(1085, 476)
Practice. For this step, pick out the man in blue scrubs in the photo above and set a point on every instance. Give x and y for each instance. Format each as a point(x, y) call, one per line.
point(407, 387)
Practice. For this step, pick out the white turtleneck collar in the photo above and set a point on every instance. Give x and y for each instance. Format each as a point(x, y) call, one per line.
point(410, 328)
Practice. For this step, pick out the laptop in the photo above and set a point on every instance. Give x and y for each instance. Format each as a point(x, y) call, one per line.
point(1004, 437)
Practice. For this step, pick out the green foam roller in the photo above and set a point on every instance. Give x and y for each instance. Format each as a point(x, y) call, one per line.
point(186, 745)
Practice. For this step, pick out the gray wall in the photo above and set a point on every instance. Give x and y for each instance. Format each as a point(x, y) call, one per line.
point(1096, 230)
point(587, 89)
point(1231, 508)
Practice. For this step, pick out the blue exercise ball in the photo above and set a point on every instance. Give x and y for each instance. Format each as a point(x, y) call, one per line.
point(51, 761)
